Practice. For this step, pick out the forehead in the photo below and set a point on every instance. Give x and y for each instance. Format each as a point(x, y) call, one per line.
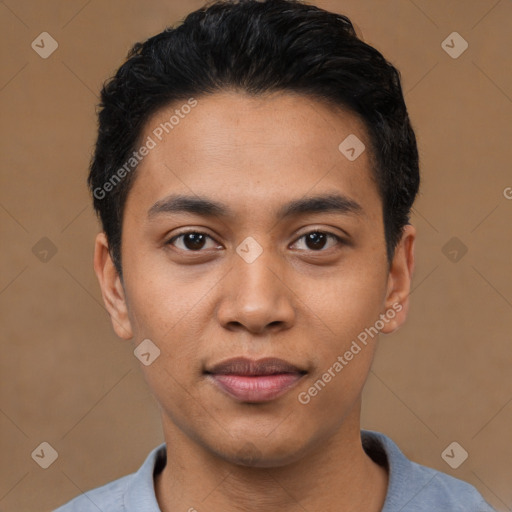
point(253, 151)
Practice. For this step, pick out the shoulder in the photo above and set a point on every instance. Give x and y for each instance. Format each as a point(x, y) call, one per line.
point(429, 489)
point(107, 497)
point(416, 488)
point(130, 493)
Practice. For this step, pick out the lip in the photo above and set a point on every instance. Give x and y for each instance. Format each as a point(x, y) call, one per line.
point(249, 380)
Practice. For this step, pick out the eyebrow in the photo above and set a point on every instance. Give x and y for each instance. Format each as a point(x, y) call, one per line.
point(196, 205)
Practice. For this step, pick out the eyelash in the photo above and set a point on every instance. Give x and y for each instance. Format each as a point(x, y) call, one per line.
point(338, 239)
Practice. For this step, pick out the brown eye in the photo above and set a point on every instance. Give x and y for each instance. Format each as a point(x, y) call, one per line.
point(317, 240)
point(190, 241)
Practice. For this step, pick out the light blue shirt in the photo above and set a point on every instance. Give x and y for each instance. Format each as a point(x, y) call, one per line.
point(412, 487)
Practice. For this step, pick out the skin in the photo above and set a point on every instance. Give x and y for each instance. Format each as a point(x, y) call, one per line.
point(304, 303)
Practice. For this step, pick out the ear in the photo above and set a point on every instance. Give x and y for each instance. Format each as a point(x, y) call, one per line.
point(399, 281)
point(111, 288)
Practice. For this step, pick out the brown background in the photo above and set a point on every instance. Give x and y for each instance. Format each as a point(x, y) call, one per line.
point(67, 380)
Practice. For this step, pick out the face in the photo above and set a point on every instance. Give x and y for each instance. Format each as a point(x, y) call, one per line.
point(251, 266)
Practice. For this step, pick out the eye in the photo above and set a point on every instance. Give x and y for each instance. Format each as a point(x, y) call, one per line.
point(192, 241)
point(316, 240)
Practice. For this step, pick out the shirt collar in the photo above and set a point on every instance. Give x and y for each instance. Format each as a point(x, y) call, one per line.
point(140, 493)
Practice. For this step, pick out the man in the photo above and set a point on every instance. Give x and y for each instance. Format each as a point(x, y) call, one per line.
point(254, 173)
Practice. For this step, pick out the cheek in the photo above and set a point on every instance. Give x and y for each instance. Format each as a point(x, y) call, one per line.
point(332, 395)
point(343, 304)
point(341, 316)
point(343, 350)
point(164, 300)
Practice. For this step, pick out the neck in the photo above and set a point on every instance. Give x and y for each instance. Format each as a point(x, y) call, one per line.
point(335, 475)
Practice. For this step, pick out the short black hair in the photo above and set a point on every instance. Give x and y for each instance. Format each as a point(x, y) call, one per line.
point(257, 47)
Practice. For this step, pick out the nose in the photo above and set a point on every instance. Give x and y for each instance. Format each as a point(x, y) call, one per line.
point(255, 297)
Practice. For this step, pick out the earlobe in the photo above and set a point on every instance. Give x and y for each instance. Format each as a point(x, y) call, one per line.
point(111, 288)
point(399, 281)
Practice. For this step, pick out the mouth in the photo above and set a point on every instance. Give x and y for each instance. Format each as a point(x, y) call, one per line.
point(254, 381)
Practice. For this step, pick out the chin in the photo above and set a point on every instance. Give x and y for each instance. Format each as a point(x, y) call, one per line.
point(260, 453)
